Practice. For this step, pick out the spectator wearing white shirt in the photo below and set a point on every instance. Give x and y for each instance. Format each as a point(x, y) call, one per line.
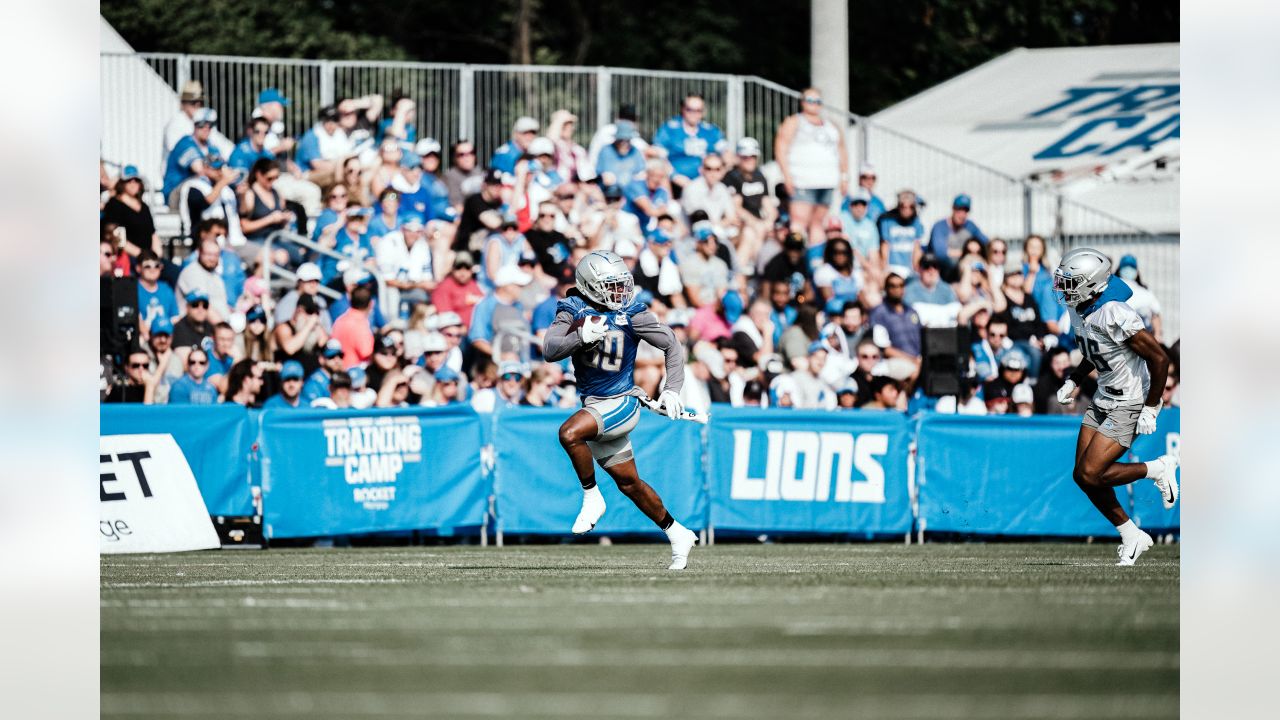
point(404, 260)
point(933, 300)
point(1143, 301)
point(204, 276)
point(323, 147)
point(709, 194)
point(212, 194)
point(181, 124)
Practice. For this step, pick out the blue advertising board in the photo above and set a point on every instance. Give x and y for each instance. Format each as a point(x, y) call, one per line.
point(538, 492)
point(327, 472)
point(809, 471)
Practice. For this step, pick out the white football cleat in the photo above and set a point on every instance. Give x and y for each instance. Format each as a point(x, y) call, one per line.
point(592, 509)
point(1128, 554)
point(681, 544)
point(1167, 481)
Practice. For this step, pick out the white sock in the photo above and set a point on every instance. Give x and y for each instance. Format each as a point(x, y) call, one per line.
point(593, 489)
point(1155, 467)
point(676, 528)
point(1128, 531)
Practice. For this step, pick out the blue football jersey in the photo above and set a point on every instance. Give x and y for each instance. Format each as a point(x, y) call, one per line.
point(608, 367)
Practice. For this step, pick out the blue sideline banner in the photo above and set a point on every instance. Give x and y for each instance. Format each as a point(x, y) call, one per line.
point(327, 472)
point(1005, 475)
point(809, 471)
point(1148, 510)
point(538, 491)
point(215, 439)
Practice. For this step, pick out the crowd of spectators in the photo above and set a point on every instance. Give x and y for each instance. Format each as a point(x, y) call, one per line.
point(793, 285)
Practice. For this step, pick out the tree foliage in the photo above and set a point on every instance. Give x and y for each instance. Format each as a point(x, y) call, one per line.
point(896, 48)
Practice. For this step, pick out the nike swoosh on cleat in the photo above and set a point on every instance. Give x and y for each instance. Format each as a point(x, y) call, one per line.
point(1134, 555)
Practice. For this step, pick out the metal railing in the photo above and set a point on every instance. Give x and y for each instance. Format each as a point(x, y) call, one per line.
point(481, 102)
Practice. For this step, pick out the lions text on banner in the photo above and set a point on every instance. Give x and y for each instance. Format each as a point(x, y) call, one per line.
point(806, 471)
point(1004, 475)
point(216, 441)
point(148, 497)
point(538, 491)
point(331, 472)
point(1148, 509)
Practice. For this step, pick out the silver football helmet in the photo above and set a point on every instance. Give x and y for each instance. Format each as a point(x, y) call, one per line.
point(1082, 274)
point(604, 279)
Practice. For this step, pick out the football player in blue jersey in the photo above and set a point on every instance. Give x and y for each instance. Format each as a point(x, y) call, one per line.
point(600, 325)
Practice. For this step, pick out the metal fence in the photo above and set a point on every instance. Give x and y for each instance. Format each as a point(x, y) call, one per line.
point(481, 102)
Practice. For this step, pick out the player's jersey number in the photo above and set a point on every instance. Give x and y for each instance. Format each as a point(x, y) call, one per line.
point(607, 354)
point(1093, 353)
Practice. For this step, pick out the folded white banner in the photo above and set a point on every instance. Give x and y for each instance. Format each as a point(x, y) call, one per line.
point(149, 498)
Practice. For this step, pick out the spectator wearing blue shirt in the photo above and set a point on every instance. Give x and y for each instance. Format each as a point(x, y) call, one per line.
point(386, 216)
point(498, 325)
point(252, 147)
point(621, 162)
point(437, 193)
point(648, 199)
point(317, 386)
point(1038, 283)
point(335, 209)
point(351, 240)
point(193, 388)
point(687, 139)
point(221, 352)
point(502, 249)
point(413, 185)
point(861, 230)
point(948, 236)
point(867, 181)
point(509, 153)
point(322, 147)
point(187, 158)
point(352, 279)
point(290, 395)
point(932, 300)
point(400, 125)
point(901, 236)
point(155, 298)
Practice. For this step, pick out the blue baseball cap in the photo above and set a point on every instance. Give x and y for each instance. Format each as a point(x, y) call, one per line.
point(130, 172)
point(447, 374)
point(358, 377)
point(196, 295)
point(358, 211)
point(703, 229)
point(962, 202)
point(161, 326)
point(626, 130)
point(271, 95)
point(291, 370)
point(732, 303)
point(1128, 261)
point(255, 313)
point(815, 346)
point(332, 349)
point(659, 236)
point(215, 160)
point(411, 221)
point(410, 159)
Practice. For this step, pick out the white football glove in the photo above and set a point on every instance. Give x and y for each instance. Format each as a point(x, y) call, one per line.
point(592, 329)
point(671, 403)
point(1147, 420)
point(1066, 391)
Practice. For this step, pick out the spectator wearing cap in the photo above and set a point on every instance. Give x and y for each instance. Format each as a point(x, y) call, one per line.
point(847, 396)
point(254, 145)
point(811, 154)
point(404, 261)
point(896, 327)
point(511, 384)
point(622, 161)
point(447, 388)
point(155, 296)
point(386, 216)
point(706, 277)
point(755, 209)
point(451, 327)
point(127, 209)
point(204, 278)
point(509, 153)
point(997, 397)
point(867, 181)
point(388, 356)
point(498, 326)
point(536, 179)
point(165, 360)
point(810, 377)
point(322, 148)
point(210, 195)
point(257, 342)
point(550, 246)
point(459, 292)
point(481, 213)
point(464, 176)
point(949, 235)
point(1023, 400)
point(195, 326)
point(435, 357)
point(188, 155)
point(1013, 370)
point(1021, 314)
point(434, 190)
point(290, 395)
point(862, 233)
point(415, 195)
point(656, 271)
point(362, 396)
point(338, 395)
point(331, 362)
point(571, 161)
point(1143, 301)
point(886, 394)
point(194, 388)
point(789, 268)
point(933, 300)
point(687, 138)
point(503, 249)
point(181, 124)
point(901, 236)
point(607, 134)
point(351, 240)
point(308, 280)
point(353, 328)
point(839, 280)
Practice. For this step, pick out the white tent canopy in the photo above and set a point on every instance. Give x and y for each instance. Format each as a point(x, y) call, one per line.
point(1099, 124)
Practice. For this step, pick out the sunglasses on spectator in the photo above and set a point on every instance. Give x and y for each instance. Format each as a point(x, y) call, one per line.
point(868, 356)
point(108, 253)
point(137, 366)
point(564, 196)
point(338, 196)
point(193, 361)
point(387, 350)
point(273, 176)
point(150, 266)
point(199, 304)
point(813, 100)
point(512, 377)
point(692, 109)
point(546, 215)
point(997, 251)
point(258, 131)
point(713, 168)
point(895, 286)
point(462, 153)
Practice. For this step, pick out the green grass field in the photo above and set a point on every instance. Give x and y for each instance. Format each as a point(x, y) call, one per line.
point(584, 631)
